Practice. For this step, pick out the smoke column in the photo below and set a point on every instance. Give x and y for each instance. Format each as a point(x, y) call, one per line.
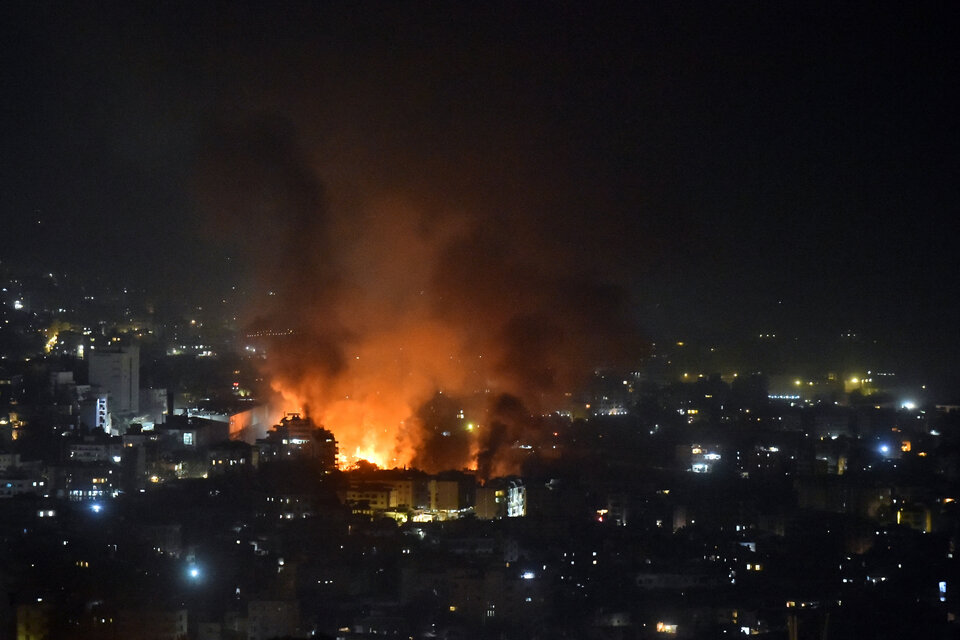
point(418, 334)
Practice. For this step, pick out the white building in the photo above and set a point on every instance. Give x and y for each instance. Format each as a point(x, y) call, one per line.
point(95, 452)
point(117, 372)
point(516, 499)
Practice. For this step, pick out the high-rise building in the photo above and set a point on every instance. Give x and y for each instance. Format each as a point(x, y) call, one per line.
point(117, 372)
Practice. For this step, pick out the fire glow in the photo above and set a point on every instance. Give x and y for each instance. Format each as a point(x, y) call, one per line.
point(396, 325)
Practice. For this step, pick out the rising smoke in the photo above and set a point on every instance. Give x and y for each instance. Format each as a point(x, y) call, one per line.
point(420, 335)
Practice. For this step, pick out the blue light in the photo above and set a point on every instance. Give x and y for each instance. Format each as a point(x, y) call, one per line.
point(96, 508)
point(884, 448)
point(194, 572)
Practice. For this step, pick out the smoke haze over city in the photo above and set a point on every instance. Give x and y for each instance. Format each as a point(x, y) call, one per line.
point(379, 306)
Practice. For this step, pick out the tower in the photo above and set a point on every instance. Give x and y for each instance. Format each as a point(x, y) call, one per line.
point(116, 371)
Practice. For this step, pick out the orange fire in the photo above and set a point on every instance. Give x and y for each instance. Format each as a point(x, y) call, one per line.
point(370, 406)
point(408, 306)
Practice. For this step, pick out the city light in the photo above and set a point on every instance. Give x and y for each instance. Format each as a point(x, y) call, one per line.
point(251, 339)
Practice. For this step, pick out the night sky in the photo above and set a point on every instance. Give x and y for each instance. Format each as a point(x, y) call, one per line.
point(735, 167)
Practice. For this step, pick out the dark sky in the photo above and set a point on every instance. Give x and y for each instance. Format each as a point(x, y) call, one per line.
point(736, 166)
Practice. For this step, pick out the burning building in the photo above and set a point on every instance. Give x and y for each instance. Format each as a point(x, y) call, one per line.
point(420, 334)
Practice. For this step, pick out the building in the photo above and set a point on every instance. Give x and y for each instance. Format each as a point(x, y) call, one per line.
point(516, 499)
point(89, 481)
point(95, 411)
point(17, 486)
point(193, 433)
point(444, 495)
point(230, 456)
point(33, 621)
point(298, 437)
point(116, 371)
point(95, 449)
point(249, 424)
point(152, 624)
point(491, 501)
point(369, 498)
point(501, 498)
point(272, 619)
point(9, 461)
point(153, 405)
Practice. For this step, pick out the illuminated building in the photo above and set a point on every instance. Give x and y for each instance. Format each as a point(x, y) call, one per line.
point(666, 627)
point(95, 409)
point(698, 458)
point(232, 455)
point(369, 498)
point(403, 491)
point(107, 450)
point(444, 495)
point(452, 490)
point(516, 499)
point(247, 424)
point(296, 436)
point(33, 621)
point(290, 506)
point(17, 486)
point(116, 371)
point(864, 385)
point(491, 501)
point(194, 433)
point(153, 405)
point(915, 516)
point(501, 498)
point(383, 490)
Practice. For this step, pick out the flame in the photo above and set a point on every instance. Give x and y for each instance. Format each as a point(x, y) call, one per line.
point(379, 296)
point(368, 455)
point(404, 324)
point(400, 351)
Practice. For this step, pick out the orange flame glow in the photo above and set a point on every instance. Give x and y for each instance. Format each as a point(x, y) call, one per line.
point(370, 405)
point(414, 306)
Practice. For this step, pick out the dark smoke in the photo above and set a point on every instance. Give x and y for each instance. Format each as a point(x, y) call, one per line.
point(260, 185)
point(510, 422)
point(385, 303)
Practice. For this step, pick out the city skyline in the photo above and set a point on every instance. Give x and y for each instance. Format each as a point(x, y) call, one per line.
point(505, 321)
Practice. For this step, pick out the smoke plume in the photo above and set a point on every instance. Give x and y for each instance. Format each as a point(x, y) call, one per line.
point(420, 334)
